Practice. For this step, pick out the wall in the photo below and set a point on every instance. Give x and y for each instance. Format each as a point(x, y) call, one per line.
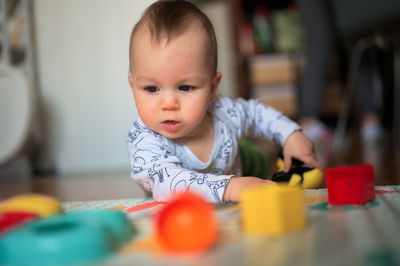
point(82, 49)
point(218, 12)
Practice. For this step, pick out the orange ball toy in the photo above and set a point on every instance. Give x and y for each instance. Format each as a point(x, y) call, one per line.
point(186, 224)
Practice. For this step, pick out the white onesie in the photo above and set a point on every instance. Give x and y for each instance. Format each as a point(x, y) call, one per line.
point(164, 166)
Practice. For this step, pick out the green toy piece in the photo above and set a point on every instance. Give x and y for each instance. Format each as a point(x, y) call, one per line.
point(255, 162)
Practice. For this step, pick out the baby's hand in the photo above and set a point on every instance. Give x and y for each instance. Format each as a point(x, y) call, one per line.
point(299, 146)
point(237, 184)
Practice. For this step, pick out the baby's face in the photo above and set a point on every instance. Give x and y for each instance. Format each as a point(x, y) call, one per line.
point(172, 82)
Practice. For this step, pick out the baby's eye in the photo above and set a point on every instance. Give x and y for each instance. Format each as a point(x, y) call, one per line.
point(186, 88)
point(151, 89)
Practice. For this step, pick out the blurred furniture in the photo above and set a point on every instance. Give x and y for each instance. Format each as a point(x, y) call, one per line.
point(16, 106)
point(17, 84)
point(268, 44)
point(363, 20)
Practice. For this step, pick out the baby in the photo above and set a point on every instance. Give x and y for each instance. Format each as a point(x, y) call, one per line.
point(186, 137)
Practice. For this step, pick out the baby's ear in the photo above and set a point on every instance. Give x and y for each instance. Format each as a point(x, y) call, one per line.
point(215, 82)
point(130, 80)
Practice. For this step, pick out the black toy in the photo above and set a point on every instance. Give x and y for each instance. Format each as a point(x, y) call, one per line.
point(299, 174)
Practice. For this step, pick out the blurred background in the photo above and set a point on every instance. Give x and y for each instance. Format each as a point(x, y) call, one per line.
point(66, 105)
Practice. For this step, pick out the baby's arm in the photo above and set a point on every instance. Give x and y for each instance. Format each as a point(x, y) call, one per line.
point(263, 121)
point(237, 185)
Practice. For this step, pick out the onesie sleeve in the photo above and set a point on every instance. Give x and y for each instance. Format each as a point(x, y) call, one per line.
point(155, 166)
point(251, 117)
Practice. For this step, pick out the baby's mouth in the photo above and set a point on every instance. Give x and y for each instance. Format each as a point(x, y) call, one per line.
point(171, 125)
point(170, 122)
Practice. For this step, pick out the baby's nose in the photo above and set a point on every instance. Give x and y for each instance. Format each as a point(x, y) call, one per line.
point(170, 103)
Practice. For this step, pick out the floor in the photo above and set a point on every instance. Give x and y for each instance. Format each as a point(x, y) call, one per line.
point(384, 157)
point(79, 187)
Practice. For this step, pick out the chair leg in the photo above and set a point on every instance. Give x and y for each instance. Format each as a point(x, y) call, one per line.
point(359, 48)
point(396, 98)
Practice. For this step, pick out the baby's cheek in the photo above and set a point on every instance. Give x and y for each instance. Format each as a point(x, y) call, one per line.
point(196, 114)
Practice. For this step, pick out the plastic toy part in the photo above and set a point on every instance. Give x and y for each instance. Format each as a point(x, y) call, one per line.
point(40, 205)
point(116, 221)
point(186, 224)
point(73, 238)
point(273, 210)
point(350, 184)
point(11, 220)
point(255, 162)
point(299, 175)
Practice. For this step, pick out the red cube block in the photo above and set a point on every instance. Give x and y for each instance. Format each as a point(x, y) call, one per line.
point(350, 184)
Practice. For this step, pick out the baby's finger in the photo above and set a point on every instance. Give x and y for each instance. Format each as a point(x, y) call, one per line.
point(287, 162)
point(312, 161)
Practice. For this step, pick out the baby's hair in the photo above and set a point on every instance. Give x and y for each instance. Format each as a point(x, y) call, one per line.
point(168, 19)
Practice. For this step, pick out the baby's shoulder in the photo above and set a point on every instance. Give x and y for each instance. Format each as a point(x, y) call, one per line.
point(139, 135)
point(225, 103)
point(225, 106)
point(222, 102)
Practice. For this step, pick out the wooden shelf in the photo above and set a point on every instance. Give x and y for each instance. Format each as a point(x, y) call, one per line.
point(271, 77)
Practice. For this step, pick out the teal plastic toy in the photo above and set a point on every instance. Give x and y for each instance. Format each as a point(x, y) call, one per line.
point(72, 238)
point(116, 221)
